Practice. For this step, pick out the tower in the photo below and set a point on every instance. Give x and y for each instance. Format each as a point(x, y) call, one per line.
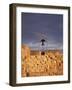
point(42, 45)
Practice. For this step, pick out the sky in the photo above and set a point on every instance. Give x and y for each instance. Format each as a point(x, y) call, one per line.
point(36, 26)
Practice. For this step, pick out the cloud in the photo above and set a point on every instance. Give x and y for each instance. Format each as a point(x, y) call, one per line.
point(48, 45)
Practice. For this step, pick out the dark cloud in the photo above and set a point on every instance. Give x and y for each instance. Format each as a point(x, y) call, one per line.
point(37, 26)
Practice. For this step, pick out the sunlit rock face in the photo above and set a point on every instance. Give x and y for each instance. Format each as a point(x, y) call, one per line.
point(36, 64)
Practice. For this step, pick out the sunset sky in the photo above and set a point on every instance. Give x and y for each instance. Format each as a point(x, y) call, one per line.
point(37, 26)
